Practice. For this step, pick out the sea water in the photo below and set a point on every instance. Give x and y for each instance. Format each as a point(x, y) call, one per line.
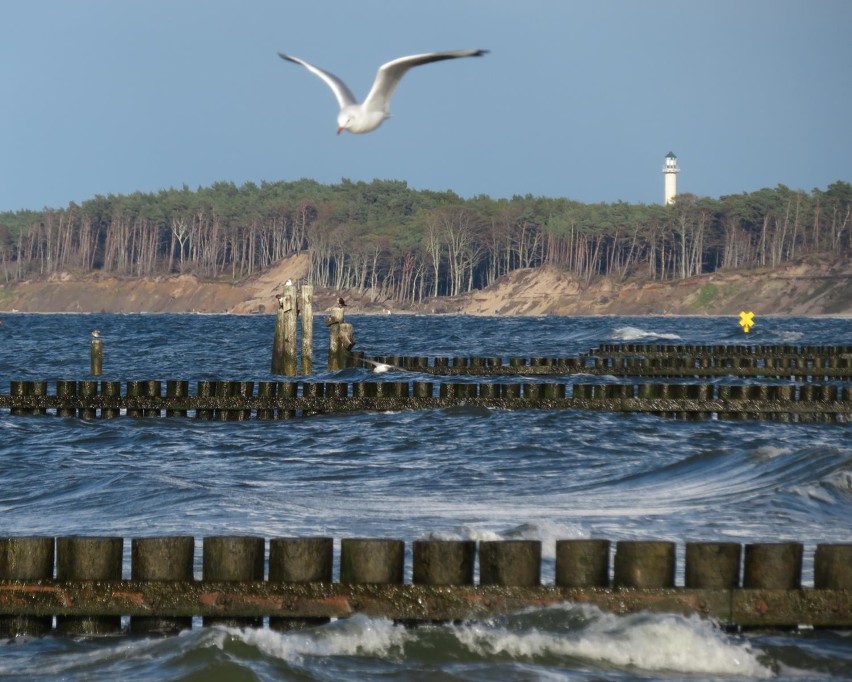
point(460, 472)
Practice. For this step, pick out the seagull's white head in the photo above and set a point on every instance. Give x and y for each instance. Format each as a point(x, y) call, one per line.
point(344, 120)
point(354, 118)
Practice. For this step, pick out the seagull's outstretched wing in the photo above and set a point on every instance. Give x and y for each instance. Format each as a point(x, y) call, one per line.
point(341, 92)
point(390, 73)
point(379, 367)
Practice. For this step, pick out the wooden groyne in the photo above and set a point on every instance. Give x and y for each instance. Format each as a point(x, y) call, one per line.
point(78, 581)
point(811, 363)
point(736, 349)
point(241, 400)
point(812, 388)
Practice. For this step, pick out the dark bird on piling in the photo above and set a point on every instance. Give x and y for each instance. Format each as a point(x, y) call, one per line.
point(341, 302)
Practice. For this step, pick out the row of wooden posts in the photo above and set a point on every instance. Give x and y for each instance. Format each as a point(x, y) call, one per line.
point(79, 581)
point(658, 365)
point(291, 304)
point(241, 400)
point(731, 349)
point(811, 362)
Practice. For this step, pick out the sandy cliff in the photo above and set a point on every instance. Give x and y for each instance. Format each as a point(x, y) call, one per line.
point(806, 288)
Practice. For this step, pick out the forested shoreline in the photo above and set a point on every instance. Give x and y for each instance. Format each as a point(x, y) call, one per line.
point(408, 245)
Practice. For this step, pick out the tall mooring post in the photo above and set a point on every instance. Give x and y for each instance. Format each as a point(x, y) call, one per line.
point(284, 343)
point(306, 307)
point(341, 336)
point(97, 360)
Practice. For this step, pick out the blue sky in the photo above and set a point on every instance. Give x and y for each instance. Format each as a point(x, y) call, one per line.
point(577, 99)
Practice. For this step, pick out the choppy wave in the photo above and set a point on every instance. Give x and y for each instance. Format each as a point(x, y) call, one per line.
point(545, 642)
point(545, 639)
point(637, 334)
point(461, 473)
point(642, 642)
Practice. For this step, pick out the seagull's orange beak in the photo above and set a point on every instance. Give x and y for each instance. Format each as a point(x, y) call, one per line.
point(340, 130)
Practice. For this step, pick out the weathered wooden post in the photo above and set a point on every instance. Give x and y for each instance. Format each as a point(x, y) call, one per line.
point(17, 389)
point(88, 388)
point(644, 564)
point(284, 344)
point(206, 389)
point(510, 562)
point(66, 390)
point(300, 560)
point(232, 559)
point(175, 390)
point(278, 339)
point(110, 389)
point(88, 558)
point(773, 566)
point(97, 361)
point(712, 565)
point(161, 559)
point(307, 310)
point(26, 558)
point(134, 390)
point(582, 563)
point(374, 561)
point(833, 567)
point(341, 336)
point(443, 562)
point(347, 340)
point(266, 391)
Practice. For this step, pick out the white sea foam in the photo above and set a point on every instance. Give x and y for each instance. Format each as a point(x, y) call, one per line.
point(648, 642)
point(766, 452)
point(548, 532)
point(355, 636)
point(826, 488)
point(636, 334)
point(840, 479)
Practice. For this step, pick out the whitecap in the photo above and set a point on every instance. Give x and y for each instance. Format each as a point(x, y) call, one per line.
point(637, 334)
point(827, 487)
point(547, 532)
point(544, 530)
point(767, 452)
point(840, 480)
point(355, 636)
point(649, 642)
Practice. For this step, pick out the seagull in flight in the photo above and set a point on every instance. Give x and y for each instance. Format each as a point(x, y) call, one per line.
point(381, 367)
point(371, 113)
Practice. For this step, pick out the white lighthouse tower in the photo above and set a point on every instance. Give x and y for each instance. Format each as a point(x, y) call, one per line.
point(670, 171)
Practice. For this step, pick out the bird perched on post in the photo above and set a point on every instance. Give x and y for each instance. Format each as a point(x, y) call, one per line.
point(371, 113)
